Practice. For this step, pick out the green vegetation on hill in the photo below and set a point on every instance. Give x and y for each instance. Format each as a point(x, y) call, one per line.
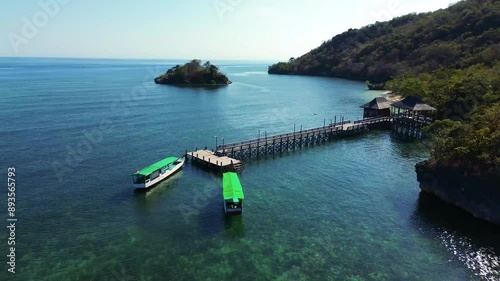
point(468, 103)
point(193, 73)
point(449, 58)
point(454, 92)
point(460, 36)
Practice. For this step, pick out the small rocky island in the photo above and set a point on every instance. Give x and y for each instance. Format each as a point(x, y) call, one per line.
point(193, 73)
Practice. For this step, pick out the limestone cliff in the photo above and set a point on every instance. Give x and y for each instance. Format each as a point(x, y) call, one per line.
point(478, 194)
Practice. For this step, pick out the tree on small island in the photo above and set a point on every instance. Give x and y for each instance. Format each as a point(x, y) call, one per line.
point(193, 73)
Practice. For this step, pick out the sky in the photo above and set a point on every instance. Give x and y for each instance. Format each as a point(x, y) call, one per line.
point(203, 29)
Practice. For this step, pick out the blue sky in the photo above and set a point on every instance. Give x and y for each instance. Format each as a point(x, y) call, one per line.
point(205, 29)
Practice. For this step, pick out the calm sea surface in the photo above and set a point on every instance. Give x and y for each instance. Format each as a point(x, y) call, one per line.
point(75, 129)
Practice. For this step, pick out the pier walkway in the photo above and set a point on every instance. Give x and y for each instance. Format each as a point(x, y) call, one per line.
point(215, 161)
point(227, 157)
point(289, 141)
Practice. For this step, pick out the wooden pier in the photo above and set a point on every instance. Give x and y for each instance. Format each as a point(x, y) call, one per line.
point(210, 160)
point(271, 145)
point(410, 126)
point(406, 118)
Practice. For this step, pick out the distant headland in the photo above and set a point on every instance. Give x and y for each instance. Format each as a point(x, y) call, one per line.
point(449, 59)
point(462, 35)
point(193, 73)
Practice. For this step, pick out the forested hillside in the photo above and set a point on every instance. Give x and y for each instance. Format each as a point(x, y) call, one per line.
point(449, 58)
point(468, 103)
point(464, 34)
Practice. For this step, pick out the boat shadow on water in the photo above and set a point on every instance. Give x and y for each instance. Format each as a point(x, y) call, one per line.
point(234, 226)
point(158, 189)
point(214, 222)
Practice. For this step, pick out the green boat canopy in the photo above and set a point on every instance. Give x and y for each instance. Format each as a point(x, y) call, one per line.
point(231, 186)
point(156, 166)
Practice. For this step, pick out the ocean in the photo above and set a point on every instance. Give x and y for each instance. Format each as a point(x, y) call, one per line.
point(350, 209)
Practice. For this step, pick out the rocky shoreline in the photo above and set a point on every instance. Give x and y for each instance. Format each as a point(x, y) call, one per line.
point(219, 81)
point(478, 194)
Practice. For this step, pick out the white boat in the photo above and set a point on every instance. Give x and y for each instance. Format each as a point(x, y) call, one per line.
point(157, 172)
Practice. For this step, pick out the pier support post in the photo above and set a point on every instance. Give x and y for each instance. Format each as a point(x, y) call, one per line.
point(300, 137)
point(258, 147)
point(287, 139)
point(265, 143)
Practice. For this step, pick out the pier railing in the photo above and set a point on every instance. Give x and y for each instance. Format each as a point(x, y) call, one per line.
point(425, 120)
point(274, 143)
point(409, 126)
point(267, 138)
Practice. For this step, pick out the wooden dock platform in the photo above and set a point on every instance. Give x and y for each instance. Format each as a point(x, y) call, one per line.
point(213, 161)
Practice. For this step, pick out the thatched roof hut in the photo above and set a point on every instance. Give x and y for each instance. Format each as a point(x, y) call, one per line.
point(412, 103)
point(378, 107)
point(377, 103)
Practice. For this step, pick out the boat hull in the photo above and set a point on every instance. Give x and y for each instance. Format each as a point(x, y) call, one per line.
point(232, 211)
point(379, 86)
point(161, 177)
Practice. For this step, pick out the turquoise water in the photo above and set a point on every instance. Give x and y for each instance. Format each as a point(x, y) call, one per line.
point(75, 129)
